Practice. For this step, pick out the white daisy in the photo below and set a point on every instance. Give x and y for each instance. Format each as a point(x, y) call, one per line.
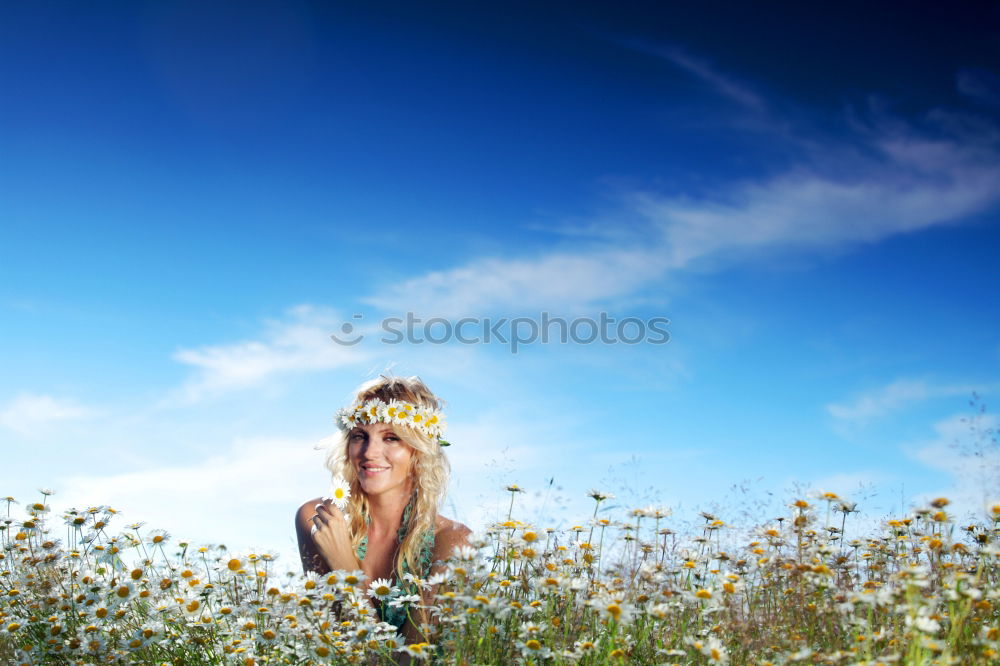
point(393, 641)
point(418, 650)
point(404, 415)
point(391, 409)
point(405, 600)
point(381, 588)
point(340, 492)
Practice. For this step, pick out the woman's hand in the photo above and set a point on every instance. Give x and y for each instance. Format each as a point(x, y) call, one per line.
point(332, 537)
point(324, 538)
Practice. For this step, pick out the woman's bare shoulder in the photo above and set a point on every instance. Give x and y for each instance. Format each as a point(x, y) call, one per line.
point(449, 534)
point(446, 525)
point(304, 514)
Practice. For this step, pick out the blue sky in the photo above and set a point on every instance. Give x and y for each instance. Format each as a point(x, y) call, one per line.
point(193, 198)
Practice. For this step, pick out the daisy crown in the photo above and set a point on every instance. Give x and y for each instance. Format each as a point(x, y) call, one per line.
point(429, 421)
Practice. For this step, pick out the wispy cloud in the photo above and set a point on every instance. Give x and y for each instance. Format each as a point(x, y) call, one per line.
point(33, 414)
point(569, 280)
point(298, 343)
point(901, 393)
point(904, 179)
point(722, 84)
point(980, 85)
point(910, 182)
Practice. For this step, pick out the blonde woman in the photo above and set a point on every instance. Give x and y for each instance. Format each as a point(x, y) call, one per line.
point(390, 454)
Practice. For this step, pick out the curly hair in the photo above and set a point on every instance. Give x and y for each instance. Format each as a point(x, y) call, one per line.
point(430, 470)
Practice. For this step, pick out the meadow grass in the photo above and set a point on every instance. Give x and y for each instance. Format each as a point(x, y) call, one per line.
point(920, 590)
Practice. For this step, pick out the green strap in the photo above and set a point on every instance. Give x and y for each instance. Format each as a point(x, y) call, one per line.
point(426, 549)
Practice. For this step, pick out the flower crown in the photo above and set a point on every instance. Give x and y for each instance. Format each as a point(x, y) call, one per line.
point(429, 421)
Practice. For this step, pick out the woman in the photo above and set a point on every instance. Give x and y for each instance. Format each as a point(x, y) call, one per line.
point(390, 455)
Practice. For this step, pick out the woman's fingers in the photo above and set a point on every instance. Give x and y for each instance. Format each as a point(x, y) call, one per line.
point(328, 511)
point(325, 515)
point(320, 519)
point(331, 535)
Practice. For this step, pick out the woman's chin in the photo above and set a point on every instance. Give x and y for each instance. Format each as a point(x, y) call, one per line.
point(373, 486)
point(377, 486)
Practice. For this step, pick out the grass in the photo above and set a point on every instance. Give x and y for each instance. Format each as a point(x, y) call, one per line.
point(921, 590)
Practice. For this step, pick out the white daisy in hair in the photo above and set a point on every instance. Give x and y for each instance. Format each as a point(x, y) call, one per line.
point(381, 588)
point(419, 417)
point(391, 410)
point(404, 415)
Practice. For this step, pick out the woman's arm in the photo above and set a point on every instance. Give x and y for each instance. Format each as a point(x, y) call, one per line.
point(324, 538)
point(311, 559)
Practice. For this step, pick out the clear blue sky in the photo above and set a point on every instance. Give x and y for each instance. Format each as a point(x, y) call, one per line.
point(193, 198)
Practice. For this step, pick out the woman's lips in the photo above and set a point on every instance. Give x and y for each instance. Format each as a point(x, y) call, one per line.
point(372, 470)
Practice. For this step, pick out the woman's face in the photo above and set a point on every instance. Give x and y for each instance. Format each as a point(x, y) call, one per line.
point(381, 460)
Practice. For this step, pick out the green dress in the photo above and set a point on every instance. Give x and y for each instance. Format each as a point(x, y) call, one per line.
point(392, 614)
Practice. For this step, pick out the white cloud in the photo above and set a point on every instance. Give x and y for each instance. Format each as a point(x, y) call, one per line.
point(244, 496)
point(893, 397)
point(964, 450)
point(33, 415)
point(569, 280)
point(297, 344)
point(901, 180)
point(916, 183)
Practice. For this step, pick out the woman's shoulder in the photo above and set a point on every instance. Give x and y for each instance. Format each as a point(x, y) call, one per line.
point(446, 526)
point(304, 514)
point(448, 535)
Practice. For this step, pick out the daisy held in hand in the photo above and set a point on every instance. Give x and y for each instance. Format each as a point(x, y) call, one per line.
point(390, 475)
point(340, 492)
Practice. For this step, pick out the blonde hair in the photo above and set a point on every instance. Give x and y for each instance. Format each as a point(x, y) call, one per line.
point(430, 469)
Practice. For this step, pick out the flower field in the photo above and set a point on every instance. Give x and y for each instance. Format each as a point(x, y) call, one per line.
point(614, 589)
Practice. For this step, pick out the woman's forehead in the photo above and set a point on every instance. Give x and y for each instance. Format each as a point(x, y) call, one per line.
point(374, 427)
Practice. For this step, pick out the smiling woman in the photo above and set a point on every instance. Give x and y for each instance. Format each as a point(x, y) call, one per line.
point(390, 454)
